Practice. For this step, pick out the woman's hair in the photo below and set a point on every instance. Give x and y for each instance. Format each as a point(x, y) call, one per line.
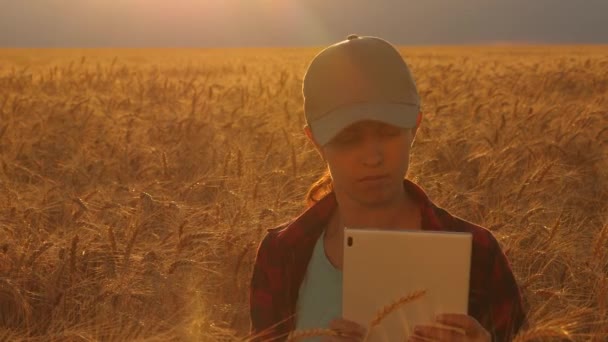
point(319, 188)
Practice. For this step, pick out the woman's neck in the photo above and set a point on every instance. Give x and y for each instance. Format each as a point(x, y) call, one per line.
point(403, 213)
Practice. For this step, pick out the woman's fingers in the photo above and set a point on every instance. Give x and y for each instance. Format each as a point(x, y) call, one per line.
point(456, 327)
point(348, 329)
point(437, 334)
point(416, 338)
point(468, 324)
point(342, 339)
point(465, 322)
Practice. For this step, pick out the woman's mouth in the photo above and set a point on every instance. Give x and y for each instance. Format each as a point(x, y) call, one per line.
point(373, 178)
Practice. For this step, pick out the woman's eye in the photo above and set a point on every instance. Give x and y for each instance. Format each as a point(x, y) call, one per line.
point(391, 131)
point(347, 138)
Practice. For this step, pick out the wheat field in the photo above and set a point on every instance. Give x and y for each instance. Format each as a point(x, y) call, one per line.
point(135, 185)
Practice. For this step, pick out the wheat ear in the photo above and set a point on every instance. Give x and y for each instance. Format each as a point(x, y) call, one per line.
point(394, 305)
point(386, 310)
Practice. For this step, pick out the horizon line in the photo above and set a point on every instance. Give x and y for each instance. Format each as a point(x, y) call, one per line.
point(219, 47)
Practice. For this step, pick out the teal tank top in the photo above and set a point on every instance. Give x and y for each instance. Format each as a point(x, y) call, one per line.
point(320, 295)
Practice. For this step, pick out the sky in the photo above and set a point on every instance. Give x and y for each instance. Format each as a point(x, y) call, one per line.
point(266, 23)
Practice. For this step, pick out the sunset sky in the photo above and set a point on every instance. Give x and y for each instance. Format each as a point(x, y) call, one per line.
point(224, 23)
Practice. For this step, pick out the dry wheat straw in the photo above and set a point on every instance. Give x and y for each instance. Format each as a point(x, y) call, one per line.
point(240, 258)
point(542, 333)
point(239, 163)
point(191, 239)
point(180, 263)
point(597, 136)
point(112, 240)
point(129, 248)
point(165, 166)
point(543, 172)
point(256, 184)
point(599, 248)
point(294, 160)
point(235, 218)
point(225, 168)
point(266, 153)
point(73, 253)
point(555, 227)
point(180, 229)
point(37, 253)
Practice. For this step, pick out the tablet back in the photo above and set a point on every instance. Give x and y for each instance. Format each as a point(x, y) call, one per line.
point(381, 266)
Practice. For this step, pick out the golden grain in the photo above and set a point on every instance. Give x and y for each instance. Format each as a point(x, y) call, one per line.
point(514, 138)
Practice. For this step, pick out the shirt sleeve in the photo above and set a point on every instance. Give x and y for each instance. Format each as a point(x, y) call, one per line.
point(261, 301)
point(506, 306)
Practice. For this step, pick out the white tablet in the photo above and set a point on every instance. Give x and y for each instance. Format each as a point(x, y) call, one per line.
point(381, 266)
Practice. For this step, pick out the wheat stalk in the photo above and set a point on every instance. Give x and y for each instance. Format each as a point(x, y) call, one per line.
point(129, 248)
point(37, 253)
point(180, 263)
point(112, 240)
point(294, 160)
point(536, 334)
point(239, 163)
point(256, 184)
point(73, 253)
point(192, 239)
point(599, 242)
point(165, 165)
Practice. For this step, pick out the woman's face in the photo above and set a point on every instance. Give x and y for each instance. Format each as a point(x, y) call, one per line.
point(368, 161)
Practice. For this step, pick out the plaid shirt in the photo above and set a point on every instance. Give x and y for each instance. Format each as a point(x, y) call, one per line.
point(284, 252)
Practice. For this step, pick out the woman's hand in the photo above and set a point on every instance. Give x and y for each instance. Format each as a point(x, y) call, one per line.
point(469, 330)
point(349, 331)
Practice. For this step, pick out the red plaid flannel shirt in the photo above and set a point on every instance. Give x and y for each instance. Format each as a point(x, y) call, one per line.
point(283, 255)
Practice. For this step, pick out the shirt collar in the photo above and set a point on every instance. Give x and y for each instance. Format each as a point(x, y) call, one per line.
point(306, 228)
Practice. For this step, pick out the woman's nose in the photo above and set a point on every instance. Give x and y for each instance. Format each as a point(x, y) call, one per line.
point(372, 154)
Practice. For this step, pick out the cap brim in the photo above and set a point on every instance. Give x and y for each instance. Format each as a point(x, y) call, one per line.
point(396, 114)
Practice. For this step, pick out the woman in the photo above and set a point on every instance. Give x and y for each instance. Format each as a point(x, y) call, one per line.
point(363, 110)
